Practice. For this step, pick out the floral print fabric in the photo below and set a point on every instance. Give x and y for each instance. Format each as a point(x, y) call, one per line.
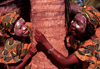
point(88, 51)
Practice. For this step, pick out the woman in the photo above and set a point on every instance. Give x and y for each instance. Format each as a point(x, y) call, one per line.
point(84, 41)
point(17, 40)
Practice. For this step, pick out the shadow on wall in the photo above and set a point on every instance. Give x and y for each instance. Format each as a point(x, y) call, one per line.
point(22, 6)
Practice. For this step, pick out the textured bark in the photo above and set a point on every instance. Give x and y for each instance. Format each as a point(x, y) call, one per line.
point(48, 16)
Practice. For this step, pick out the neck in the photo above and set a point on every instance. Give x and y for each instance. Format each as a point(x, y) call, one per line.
point(94, 36)
point(84, 37)
point(81, 37)
point(19, 38)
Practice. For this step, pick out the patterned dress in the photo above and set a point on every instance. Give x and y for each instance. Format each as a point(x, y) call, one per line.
point(14, 50)
point(88, 52)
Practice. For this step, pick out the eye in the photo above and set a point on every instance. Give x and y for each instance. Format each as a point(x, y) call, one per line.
point(24, 23)
point(20, 27)
point(77, 22)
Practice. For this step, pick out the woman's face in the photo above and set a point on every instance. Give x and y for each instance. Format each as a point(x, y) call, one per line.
point(78, 25)
point(21, 28)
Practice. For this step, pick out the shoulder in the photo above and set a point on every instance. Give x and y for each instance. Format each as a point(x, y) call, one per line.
point(92, 42)
point(29, 24)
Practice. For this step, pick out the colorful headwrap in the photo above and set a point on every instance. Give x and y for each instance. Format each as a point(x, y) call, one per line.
point(92, 15)
point(8, 20)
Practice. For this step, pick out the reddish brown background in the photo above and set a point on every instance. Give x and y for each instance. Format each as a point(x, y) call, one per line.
point(48, 16)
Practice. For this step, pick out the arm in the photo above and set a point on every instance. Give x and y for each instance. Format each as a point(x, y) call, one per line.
point(31, 51)
point(22, 64)
point(39, 37)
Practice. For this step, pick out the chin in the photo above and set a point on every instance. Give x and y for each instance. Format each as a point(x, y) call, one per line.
point(25, 35)
point(73, 33)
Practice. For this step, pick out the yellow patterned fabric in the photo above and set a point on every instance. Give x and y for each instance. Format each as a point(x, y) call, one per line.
point(14, 50)
point(87, 51)
point(8, 20)
point(92, 15)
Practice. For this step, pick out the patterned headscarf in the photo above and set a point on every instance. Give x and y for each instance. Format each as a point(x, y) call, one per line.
point(92, 15)
point(8, 20)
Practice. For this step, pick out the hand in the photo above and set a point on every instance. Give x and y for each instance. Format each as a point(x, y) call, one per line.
point(32, 50)
point(39, 37)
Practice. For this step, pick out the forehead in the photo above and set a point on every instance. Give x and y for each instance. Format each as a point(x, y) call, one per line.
point(79, 16)
point(19, 22)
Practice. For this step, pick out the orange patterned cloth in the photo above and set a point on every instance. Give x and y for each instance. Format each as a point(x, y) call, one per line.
point(8, 20)
point(87, 51)
point(14, 50)
point(92, 15)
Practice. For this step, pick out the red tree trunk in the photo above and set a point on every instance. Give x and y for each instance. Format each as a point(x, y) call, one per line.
point(48, 16)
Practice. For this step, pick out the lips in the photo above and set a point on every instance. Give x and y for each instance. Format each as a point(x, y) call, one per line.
point(26, 32)
point(72, 29)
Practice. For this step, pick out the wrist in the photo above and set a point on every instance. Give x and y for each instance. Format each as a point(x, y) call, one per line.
point(50, 50)
point(28, 54)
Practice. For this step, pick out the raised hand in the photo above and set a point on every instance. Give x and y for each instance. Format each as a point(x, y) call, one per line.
point(39, 37)
point(32, 50)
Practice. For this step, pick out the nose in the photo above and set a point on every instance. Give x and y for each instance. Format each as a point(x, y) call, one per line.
point(73, 24)
point(24, 27)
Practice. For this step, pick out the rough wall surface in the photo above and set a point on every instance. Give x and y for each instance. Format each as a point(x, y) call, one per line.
point(48, 16)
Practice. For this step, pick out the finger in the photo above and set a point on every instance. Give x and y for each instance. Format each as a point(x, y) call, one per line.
point(36, 34)
point(37, 31)
point(36, 37)
point(34, 50)
point(32, 44)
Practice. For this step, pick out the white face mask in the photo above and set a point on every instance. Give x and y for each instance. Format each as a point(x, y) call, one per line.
point(77, 26)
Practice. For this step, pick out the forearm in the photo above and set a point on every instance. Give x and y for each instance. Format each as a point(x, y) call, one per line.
point(55, 54)
point(25, 59)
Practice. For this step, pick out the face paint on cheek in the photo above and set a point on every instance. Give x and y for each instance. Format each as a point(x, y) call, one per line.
point(72, 21)
point(77, 26)
point(18, 23)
